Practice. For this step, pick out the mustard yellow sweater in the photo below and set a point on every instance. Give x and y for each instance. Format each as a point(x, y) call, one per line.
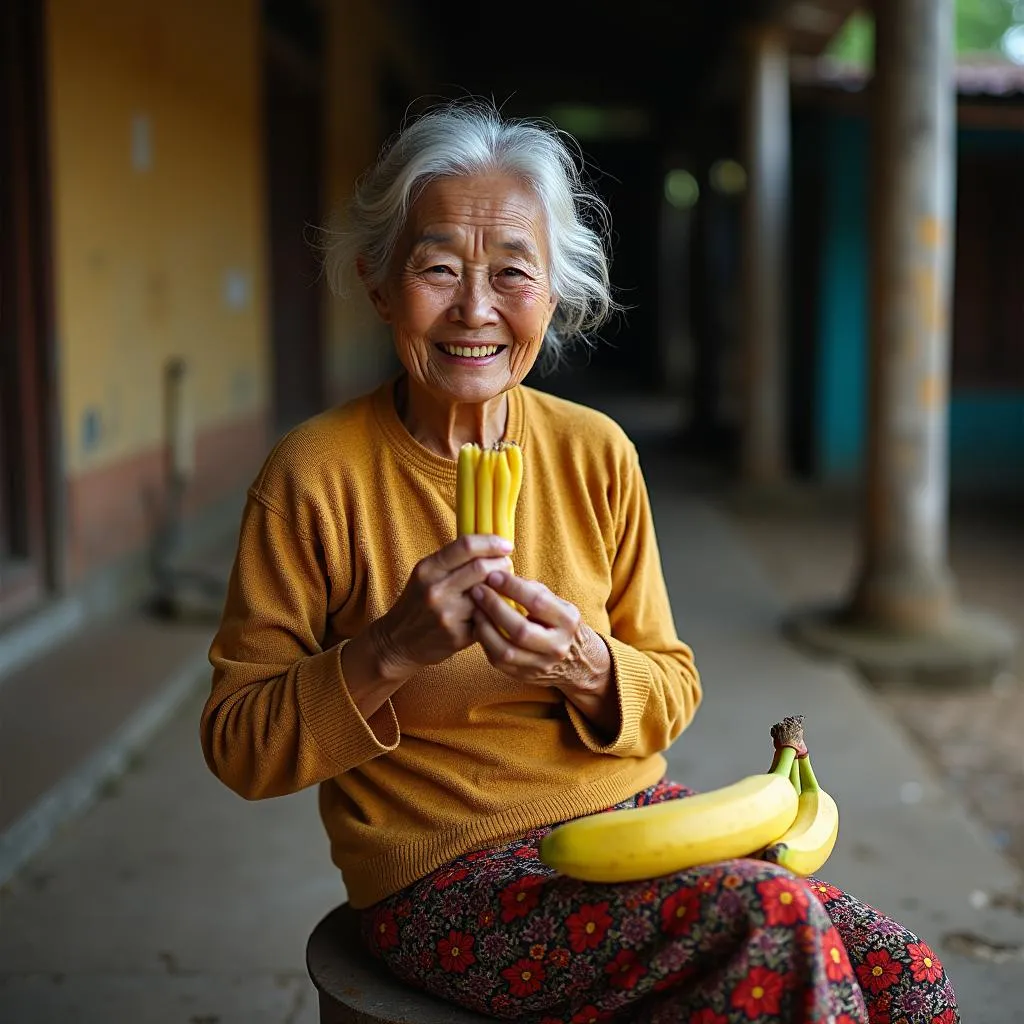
point(462, 756)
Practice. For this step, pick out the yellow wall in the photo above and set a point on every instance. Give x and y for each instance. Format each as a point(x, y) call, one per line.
point(144, 256)
point(360, 40)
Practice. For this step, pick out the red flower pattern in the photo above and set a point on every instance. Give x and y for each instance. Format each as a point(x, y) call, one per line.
point(674, 979)
point(924, 964)
point(837, 962)
point(524, 977)
point(707, 1016)
point(448, 876)
point(785, 901)
point(519, 898)
point(878, 971)
point(759, 994)
point(825, 892)
point(587, 927)
point(559, 957)
point(590, 1015)
point(462, 945)
point(680, 912)
point(456, 952)
point(385, 929)
point(625, 970)
point(710, 881)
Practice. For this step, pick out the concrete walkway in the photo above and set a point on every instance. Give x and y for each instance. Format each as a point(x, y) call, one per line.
point(173, 902)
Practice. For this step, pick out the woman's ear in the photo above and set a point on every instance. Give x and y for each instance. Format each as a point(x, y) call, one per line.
point(552, 306)
point(378, 296)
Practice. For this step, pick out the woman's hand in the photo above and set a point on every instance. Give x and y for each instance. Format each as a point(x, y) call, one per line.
point(433, 617)
point(549, 646)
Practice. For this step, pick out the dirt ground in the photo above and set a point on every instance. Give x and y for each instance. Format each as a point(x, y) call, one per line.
point(974, 735)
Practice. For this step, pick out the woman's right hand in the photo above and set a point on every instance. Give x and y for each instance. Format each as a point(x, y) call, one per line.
point(433, 617)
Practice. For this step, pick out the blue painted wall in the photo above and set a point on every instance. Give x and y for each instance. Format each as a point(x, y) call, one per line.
point(986, 429)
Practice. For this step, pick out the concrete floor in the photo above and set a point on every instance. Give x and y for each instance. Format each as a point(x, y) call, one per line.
point(174, 902)
point(974, 735)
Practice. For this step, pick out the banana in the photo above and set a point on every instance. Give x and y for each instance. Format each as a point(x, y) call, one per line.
point(487, 486)
point(465, 489)
point(515, 464)
point(485, 492)
point(645, 842)
point(502, 494)
point(809, 841)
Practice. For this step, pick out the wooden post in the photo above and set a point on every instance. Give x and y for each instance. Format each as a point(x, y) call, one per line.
point(904, 582)
point(766, 257)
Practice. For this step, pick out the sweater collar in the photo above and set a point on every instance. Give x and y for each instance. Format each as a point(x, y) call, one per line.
point(406, 446)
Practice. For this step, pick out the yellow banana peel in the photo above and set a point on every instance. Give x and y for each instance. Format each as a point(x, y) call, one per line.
point(808, 843)
point(646, 842)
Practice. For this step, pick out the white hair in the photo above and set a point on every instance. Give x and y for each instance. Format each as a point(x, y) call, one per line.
point(472, 138)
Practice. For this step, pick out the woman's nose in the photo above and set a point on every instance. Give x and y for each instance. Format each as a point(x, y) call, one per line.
point(474, 302)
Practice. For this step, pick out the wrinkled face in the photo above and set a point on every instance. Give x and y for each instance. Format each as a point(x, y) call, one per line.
point(467, 295)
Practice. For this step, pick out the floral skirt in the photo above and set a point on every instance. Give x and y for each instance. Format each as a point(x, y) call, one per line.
point(500, 933)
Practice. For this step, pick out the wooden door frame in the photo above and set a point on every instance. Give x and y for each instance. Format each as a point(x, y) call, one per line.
point(23, 91)
point(289, 59)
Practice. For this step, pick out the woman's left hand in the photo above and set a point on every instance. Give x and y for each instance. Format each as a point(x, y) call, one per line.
point(543, 647)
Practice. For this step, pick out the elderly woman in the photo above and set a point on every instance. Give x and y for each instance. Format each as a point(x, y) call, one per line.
point(365, 650)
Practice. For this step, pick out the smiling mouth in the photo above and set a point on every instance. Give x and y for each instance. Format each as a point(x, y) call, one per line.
point(471, 351)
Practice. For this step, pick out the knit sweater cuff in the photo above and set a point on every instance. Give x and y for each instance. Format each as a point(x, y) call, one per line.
point(631, 677)
point(331, 714)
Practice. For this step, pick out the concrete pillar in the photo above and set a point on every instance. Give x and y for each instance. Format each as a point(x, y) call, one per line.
point(903, 623)
point(904, 581)
point(766, 216)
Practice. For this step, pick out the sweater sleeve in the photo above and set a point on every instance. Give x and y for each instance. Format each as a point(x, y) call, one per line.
point(655, 679)
point(280, 717)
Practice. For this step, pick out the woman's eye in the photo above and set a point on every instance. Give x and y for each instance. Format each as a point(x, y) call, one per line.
point(440, 269)
point(512, 272)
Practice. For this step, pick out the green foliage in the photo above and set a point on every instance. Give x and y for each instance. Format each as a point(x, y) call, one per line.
point(981, 24)
point(855, 42)
point(980, 27)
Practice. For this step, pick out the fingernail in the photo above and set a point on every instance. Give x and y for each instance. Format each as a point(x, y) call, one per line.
point(478, 593)
point(504, 543)
point(496, 579)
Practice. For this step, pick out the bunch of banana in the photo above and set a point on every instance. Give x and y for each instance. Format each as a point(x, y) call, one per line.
point(487, 485)
point(645, 842)
point(808, 842)
point(487, 489)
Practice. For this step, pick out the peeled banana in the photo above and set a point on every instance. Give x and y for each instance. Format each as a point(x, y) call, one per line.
point(645, 842)
point(809, 841)
point(465, 489)
point(487, 486)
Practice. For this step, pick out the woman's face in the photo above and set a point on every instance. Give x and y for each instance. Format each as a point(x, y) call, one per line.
point(467, 295)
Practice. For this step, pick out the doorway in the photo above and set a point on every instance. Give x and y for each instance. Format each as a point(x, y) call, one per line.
point(26, 567)
point(293, 118)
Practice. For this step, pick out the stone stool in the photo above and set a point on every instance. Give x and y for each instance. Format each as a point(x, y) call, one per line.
point(355, 989)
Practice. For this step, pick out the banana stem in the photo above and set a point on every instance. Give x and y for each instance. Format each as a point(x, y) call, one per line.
point(794, 775)
point(808, 781)
point(784, 763)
